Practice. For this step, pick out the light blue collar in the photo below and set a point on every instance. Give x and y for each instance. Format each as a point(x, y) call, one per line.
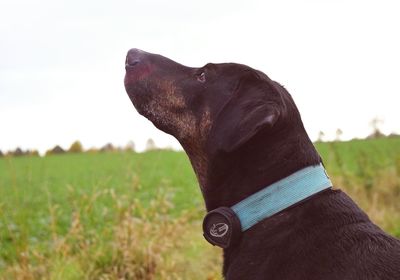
point(281, 195)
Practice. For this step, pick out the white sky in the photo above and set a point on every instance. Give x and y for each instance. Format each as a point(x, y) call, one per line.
point(62, 62)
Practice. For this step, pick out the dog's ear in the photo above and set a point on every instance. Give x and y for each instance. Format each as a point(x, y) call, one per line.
point(256, 105)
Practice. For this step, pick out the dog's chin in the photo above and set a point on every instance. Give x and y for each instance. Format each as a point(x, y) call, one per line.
point(162, 124)
point(164, 127)
point(144, 109)
point(140, 100)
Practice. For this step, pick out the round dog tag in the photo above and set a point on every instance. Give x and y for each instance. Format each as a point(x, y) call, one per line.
point(221, 227)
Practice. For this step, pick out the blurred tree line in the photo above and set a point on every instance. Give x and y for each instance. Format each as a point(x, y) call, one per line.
point(376, 132)
point(77, 147)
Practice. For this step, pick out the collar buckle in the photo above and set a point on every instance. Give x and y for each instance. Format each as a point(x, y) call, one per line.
point(222, 228)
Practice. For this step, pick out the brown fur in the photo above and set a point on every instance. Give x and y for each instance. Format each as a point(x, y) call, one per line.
point(242, 132)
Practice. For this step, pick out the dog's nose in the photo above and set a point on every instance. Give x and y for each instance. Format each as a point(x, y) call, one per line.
point(133, 58)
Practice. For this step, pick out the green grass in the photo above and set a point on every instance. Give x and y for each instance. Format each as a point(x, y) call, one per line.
point(350, 156)
point(138, 216)
point(29, 184)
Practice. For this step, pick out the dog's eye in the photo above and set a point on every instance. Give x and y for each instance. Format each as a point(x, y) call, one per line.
point(201, 77)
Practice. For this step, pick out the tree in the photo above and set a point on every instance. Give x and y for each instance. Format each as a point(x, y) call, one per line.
point(130, 147)
point(150, 145)
point(321, 136)
point(18, 152)
point(107, 148)
point(34, 153)
point(56, 150)
point(339, 134)
point(76, 147)
point(375, 124)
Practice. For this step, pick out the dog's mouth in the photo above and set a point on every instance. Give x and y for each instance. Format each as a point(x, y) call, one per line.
point(136, 71)
point(130, 64)
point(137, 77)
point(139, 85)
point(137, 67)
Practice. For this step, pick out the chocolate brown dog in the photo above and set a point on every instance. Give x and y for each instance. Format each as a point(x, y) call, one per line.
point(243, 132)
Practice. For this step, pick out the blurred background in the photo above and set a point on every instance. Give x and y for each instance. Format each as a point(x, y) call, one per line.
point(62, 63)
point(92, 207)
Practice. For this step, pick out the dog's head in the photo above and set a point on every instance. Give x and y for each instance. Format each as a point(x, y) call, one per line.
point(218, 107)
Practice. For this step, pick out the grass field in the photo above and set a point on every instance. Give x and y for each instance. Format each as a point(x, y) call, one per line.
point(138, 216)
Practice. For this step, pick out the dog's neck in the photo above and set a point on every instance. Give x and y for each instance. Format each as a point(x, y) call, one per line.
point(226, 179)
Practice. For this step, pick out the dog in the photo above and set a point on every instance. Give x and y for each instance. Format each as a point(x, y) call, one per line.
point(243, 133)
